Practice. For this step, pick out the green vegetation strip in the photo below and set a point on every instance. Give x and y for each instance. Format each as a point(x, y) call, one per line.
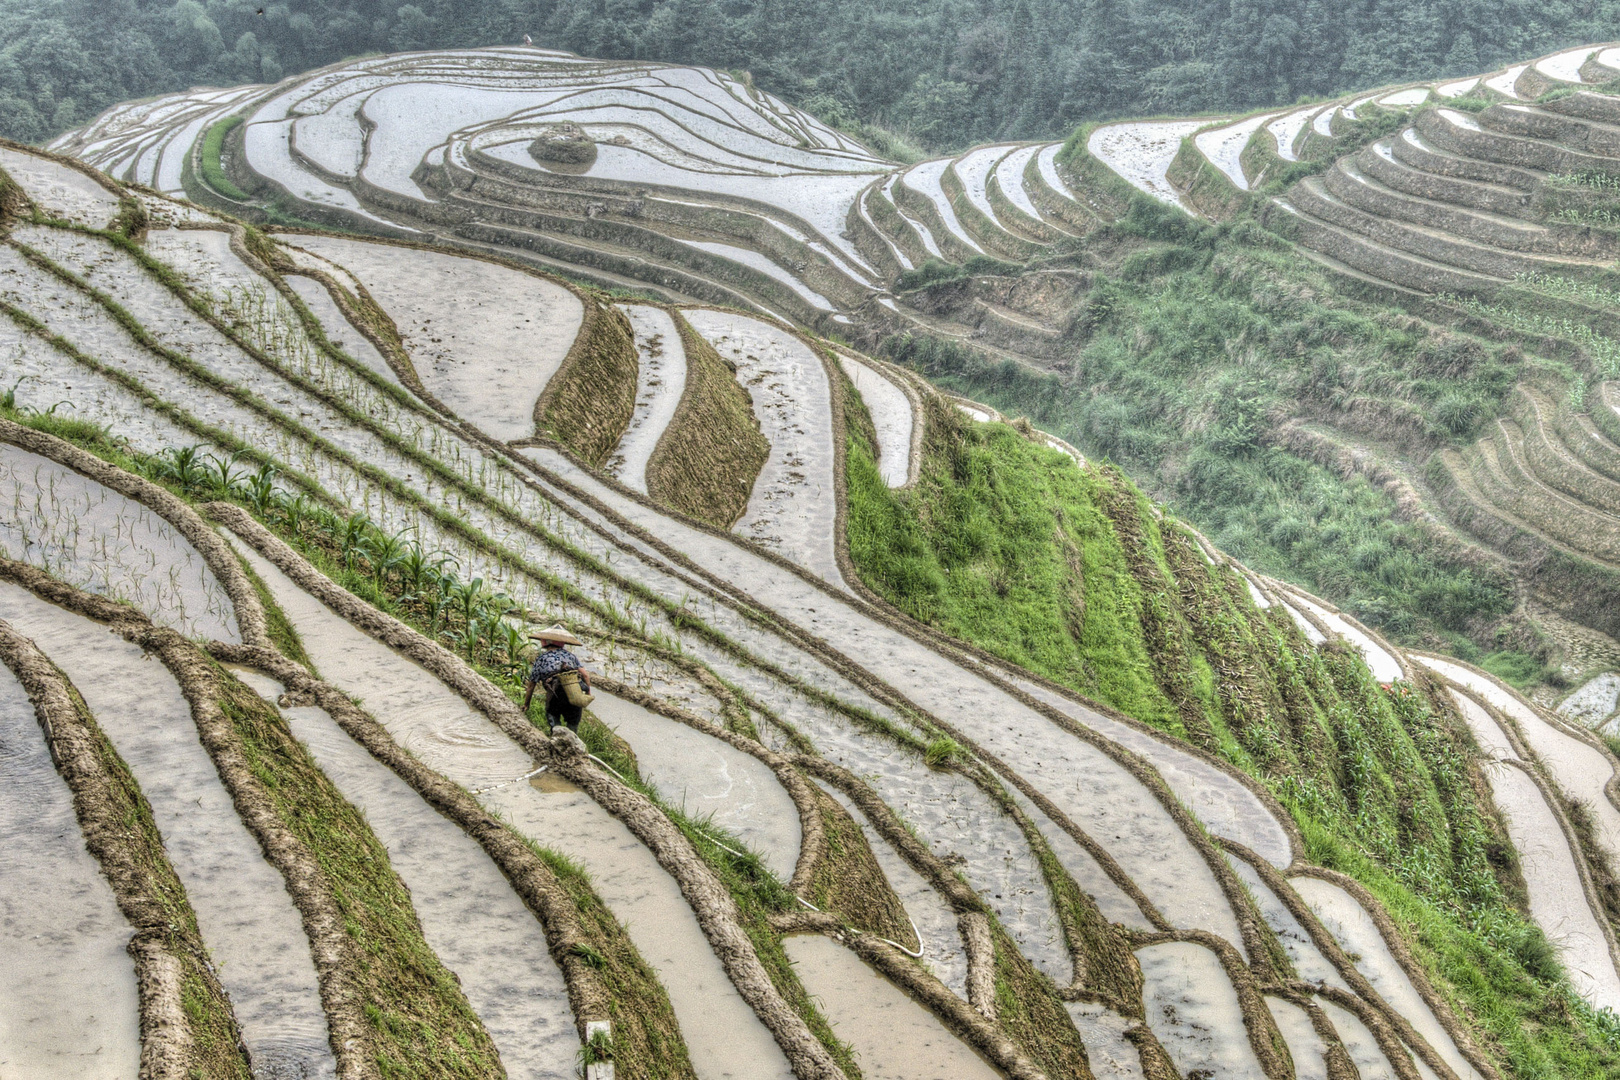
point(212, 159)
point(706, 461)
point(421, 1023)
point(589, 401)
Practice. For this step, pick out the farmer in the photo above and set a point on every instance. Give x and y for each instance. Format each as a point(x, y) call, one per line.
point(568, 685)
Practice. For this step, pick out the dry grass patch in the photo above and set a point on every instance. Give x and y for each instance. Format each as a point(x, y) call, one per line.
point(589, 401)
point(705, 464)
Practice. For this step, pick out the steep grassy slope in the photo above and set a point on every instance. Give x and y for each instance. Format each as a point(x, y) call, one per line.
point(1184, 359)
point(1070, 573)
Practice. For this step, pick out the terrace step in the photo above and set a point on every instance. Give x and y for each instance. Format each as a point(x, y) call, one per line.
point(1467, 137)
point(666, 241)
point(1415, 149)
point(1344, 270)
point(1584, 135)
point(1586, 105)
point(1549, 453)
point(574, 270)
point(1349, 182)
point(1436, 245)
point(1594, 447)
point(1383, 263)
point(895, 225)
point(633, 267)
point(1380, 161)
point(1550, 513)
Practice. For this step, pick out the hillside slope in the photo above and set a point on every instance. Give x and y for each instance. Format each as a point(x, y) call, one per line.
point(1421, 370)
point(1193, 835)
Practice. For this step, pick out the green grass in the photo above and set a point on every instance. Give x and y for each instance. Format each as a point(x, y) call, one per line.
point(422, 1025)
point(979, 550)
point(1007, 544)
point(1183, 364)
point(213, 169)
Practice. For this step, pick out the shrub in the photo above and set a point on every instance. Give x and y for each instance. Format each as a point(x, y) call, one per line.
point(563, 144)
point(1151, 219)
point(931, 272)
point(1457, 413)
point(943, 753)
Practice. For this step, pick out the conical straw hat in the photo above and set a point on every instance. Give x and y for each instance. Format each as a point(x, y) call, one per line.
point(555, 633)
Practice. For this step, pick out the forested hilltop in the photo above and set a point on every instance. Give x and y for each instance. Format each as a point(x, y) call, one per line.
point(943, 73)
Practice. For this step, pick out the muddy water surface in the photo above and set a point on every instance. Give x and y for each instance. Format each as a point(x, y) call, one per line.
point(1349, 922)
point(1360, 1043)
point(88, 535)
point(1227, 806)
point(704, 776)
point(793, 508)
point(484, 338)
point(932, 917)
point(1111, 1054)
point(894, 1038)
point(1558, 900)
point(339, 330)
point(1305, 1046)
point(1096, 792)
point(1193, 1009)
point(68, 1002)
point(470, 916)
point(247, 919)
point(724, 1036)
point(660, 383)
point(1308, 960)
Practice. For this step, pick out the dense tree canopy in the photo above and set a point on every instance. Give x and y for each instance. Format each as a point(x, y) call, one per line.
point(944, 72)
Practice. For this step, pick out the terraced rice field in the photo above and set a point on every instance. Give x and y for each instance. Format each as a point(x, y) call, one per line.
point(1450, 203)
point(763, 830)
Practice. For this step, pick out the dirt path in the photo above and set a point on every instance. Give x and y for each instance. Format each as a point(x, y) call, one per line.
point(69, 1007)
point(244, 912)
